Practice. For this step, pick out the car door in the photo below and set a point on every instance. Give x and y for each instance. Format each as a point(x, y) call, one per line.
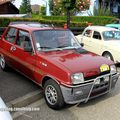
point(96, 43)
point(25, 61)
point(7, 45)
point(86, 38)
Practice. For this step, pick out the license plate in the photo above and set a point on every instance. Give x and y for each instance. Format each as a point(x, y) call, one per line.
point(104, 68)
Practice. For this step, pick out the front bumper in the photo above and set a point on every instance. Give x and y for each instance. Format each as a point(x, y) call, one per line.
point(88, 90)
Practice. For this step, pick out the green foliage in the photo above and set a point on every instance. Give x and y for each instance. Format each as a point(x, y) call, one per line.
point(102, 12)
point(95, 20)
point(25, 7)
point(68, 4)
point(59, 7)
point(42, 10)
point(60, 21)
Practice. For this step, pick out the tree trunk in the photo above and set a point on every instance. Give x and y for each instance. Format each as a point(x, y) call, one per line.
point(68, 19)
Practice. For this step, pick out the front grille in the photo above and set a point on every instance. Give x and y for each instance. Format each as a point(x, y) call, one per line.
point(99, 92)
point(101, 85)
point(100, 88)
point(94, 76)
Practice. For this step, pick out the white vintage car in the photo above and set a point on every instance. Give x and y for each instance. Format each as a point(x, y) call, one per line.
point(102, 40)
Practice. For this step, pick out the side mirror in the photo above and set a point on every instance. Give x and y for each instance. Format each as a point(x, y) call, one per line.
point(82, 44)
point(28, 49)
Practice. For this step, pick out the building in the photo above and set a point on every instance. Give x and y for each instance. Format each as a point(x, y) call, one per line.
point(35, 8)
point(6, 7)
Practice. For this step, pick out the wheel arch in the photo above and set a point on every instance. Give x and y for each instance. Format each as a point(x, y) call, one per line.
point(106, 52)
point(111, 55)
point(46, 78)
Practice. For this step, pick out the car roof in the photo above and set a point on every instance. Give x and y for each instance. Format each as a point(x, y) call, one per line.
point(33, 26)
point(101, 28)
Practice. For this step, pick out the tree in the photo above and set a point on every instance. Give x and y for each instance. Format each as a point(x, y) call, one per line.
point(67, 7)
point(43, 10)
point(25, 7)
point(74, 6)
point(59, 7)
point(55, 7)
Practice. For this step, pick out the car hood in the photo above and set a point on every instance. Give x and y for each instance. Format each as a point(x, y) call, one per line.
point(78, 60)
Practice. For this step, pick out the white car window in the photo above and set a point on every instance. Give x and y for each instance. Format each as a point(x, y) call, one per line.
point(88, 33)
point(96, 35)
point(111, 35)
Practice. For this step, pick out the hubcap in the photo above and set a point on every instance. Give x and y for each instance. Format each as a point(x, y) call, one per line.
point(51, 94)
point(2, 62)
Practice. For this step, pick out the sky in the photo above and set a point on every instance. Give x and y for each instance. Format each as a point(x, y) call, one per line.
point(17, 3)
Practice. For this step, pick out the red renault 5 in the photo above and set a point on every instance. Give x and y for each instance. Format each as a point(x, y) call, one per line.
point(53, 58)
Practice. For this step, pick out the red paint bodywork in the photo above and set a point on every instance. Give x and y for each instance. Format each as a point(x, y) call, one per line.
point(58, 65)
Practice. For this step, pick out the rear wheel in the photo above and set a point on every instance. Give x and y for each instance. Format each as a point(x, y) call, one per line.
point(3, 64)
point(108, 56)
point(53, 95)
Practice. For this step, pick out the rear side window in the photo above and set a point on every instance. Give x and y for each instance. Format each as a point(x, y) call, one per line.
point(11, 35)
point(96, 35)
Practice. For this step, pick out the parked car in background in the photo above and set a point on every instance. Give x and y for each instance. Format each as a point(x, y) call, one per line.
point(4, 113)
point(102, 40)
point(117, 26)
point(54, 59)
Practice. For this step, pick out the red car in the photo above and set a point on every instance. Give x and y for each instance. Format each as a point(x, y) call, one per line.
point(53, 58)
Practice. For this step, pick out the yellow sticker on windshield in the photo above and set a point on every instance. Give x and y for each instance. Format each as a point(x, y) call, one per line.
point(104, 68)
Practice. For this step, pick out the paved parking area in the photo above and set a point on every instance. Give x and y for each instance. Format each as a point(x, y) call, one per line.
point(106, 107)
point(14, 85)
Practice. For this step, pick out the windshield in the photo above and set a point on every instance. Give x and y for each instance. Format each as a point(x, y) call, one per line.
point(54, 39)
point(111, 35)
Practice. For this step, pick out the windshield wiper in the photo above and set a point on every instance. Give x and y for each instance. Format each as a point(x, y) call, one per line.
point(63, 46)
point(68, 47)
point(45, 47)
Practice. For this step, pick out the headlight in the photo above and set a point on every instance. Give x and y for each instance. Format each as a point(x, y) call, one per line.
point(77, 78)
point(113, 69)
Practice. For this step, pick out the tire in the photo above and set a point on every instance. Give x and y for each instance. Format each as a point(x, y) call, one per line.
point(53, 95)
point(108, 55)
point(3, 64)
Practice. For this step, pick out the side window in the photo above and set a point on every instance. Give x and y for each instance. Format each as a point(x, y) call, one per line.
point(88, 33)
point(96, 35)
point(23, 39)
point(11, 35)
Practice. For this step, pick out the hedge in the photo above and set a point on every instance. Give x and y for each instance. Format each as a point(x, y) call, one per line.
point(61, 20)
point(60, 23)
point(96, 20)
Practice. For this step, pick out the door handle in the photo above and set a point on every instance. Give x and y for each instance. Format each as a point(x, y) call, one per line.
point(13, 48)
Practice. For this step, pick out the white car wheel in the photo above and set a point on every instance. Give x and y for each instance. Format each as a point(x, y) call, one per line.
point(108, 56)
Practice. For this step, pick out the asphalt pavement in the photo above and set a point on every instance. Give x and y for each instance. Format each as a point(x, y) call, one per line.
point(13, 85)
point(105, 107)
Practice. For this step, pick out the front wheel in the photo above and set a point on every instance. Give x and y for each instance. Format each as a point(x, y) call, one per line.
point(3, 64)
point(108, 56)
point(53, 95)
